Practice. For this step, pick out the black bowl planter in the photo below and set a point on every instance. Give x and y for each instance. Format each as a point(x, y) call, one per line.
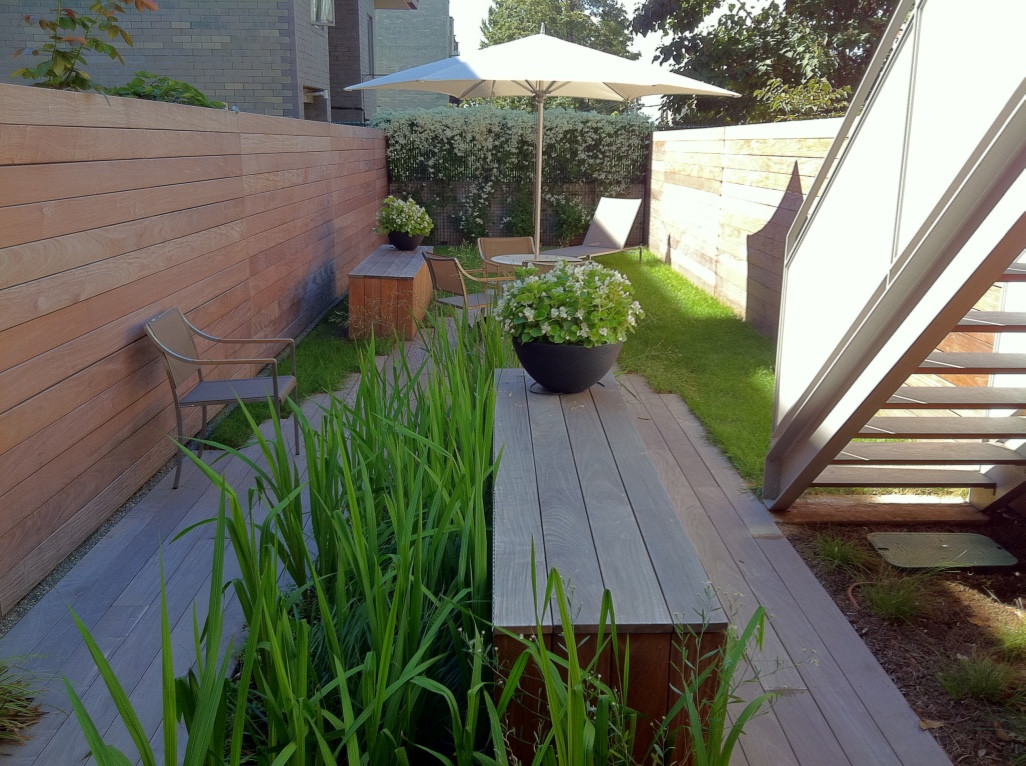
point(402, 241)
point(565, 368)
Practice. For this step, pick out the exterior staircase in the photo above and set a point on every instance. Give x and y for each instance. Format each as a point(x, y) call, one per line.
point(916, 221)
point(967, 437)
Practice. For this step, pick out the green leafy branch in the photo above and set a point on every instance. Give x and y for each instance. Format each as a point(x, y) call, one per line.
point(70, 34)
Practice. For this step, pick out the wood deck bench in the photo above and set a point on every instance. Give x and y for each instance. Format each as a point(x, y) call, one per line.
point(576, 480)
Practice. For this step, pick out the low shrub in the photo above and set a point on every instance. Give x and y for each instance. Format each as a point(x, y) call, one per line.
point(980, 677)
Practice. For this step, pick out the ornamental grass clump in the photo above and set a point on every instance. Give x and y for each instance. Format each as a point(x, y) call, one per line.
point(403, 215)
point(583, 304)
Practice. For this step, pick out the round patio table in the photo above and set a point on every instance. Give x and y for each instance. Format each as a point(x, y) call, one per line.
point(518, 259)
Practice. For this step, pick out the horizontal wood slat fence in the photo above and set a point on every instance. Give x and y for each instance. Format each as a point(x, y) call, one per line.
point(722, 200)
point(112, 210)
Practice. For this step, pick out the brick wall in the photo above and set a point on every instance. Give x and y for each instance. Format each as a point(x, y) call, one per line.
point(350, 60)
point(242, 52)
point(311, 51)
point(403, 39)
point(722, 200)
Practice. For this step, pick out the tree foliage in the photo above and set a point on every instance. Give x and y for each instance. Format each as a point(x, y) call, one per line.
point(787, 59)
point(599, 24)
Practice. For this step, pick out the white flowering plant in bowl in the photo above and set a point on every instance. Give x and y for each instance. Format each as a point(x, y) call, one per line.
point(403, 215)
point(579, 304)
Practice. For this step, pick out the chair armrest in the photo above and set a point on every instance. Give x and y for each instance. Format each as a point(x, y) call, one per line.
point(273, 363)
point(290, 343)
point(508, 278)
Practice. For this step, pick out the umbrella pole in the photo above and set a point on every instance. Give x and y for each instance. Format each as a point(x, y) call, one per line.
point(539, 99)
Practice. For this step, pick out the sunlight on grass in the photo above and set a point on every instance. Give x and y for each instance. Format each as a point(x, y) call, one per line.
point(692, 345)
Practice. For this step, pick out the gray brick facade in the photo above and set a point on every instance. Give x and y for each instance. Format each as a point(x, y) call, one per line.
point(262, 56)
point(351, 64)
point(257, 55)
point(403, 39)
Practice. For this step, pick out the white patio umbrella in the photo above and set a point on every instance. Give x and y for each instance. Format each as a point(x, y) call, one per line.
point(542, 66)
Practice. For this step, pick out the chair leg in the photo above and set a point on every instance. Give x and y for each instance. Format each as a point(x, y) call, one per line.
point(295, 428)
point(178, 446)
point(203, 429)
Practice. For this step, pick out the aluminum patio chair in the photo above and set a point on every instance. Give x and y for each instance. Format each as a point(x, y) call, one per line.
point(489, 247)
point(174, 336)
point(463, 289)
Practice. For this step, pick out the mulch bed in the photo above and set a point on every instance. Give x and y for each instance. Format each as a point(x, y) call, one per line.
point(966, 609)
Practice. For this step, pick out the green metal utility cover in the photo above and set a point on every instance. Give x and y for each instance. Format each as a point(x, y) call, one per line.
point(933, 550)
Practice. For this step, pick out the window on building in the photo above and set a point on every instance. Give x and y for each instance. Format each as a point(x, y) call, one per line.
point(322, 12)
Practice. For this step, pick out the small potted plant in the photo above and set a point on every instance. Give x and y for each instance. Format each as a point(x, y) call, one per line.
point(569, 324)
point(404, 221)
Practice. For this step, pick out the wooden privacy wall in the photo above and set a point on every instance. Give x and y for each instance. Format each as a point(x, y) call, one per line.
point(723, 200)
point(112, 210)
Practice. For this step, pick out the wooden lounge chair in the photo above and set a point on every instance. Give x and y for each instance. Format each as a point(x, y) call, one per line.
point(609, 229)
point(464, 290)
point(489, 247)
point(173, 335)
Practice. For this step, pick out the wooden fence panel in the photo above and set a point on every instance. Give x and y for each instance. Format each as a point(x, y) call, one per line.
point(112, 210)
point(722, 202)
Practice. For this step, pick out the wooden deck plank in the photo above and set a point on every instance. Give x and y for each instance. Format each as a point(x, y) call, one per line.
point(614, 529)
point(515, 487)
point(870, 719)
point(681, 575)
point(569, 547)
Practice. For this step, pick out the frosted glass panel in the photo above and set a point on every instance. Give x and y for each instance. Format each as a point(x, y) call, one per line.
point(845, 254)
point(959, 91)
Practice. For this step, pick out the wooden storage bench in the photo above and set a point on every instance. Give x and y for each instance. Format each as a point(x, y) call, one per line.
point(575, 478)
point(389, 292)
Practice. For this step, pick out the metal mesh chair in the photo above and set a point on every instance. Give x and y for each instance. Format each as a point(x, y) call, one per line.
point(174, 336)
point(489, 247)
point(464, 290)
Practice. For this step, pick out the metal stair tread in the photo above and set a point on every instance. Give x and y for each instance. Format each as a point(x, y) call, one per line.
point(927, 453)
point(962, 362)
point(887, 427)
point(874, 476)
point(992, 321)
point(958, 397)
point(1014, 273)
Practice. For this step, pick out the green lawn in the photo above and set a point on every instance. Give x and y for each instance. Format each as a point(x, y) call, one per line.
point(692, 345)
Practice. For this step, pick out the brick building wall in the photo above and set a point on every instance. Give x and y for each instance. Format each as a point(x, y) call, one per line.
point(311, 51)
point(253, 54)
point(403, 39)
point(350, 45)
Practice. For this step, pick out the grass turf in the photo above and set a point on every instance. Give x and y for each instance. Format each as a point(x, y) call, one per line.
point(692, 345)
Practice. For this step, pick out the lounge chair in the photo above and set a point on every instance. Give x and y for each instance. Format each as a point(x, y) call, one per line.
point(173, 335)
point(609, 229)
